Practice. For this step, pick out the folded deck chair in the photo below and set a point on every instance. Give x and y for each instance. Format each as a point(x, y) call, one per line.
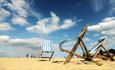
point(79, 43)
point(89, 55)
point(46, 47)
point(96, 50)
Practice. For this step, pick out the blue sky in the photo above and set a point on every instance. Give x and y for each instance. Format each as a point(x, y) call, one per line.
point(24, 24)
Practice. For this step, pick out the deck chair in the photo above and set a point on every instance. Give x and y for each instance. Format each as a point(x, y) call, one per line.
point(97, 48)
point(79, 43)
point(89, 55)
point(46, 47)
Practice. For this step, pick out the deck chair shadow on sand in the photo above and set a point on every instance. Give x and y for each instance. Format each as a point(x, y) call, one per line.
point(80, 43)
point(46, 48)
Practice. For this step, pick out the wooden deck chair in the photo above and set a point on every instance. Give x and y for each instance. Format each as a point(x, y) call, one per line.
point(79, 43)
point(46, 47)
point(96, 49)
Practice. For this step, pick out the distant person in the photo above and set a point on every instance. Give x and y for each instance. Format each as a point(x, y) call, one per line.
point(27, 56)
point(31, 56)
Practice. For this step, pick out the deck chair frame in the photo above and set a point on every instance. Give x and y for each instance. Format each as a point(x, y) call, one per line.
point(100, 47)
point(79, 43)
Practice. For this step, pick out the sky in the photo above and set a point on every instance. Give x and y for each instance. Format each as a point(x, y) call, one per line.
point(25, 24)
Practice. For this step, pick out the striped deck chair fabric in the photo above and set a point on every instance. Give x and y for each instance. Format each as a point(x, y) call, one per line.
point(94, 49)
point(97, 47)
point(46, 47)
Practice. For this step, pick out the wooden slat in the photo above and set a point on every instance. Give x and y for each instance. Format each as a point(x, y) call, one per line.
point(72, 51)
point(82, 33)
point(51, 55)
point(112, 59)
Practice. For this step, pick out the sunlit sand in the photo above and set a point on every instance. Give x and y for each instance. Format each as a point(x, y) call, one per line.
point(54, 64)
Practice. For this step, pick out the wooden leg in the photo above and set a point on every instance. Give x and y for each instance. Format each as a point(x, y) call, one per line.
point(72, 51)
point(82, 48)
point(41, 54)
point(88, 56)
point(75, 54)
point(96, 52)
point(112, 59)
point(51, 55)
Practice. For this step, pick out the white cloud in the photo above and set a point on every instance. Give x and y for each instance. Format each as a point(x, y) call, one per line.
point(106, 24)
point(20, 42)
point(67, 24)
point(86, 39)
point(5, 27)
point(48, 25)
point(25, 42)
point(19, 6)
point(79, 20)
point(109, 19)
point(107, 28)
point(54, 18)
point(19, 20)
point(96, 35)
point(109, 32)
point(3, 14)
point(20, 46)
point(4, 38)
point(35, 14)
point(23, 8)
point(18, 9)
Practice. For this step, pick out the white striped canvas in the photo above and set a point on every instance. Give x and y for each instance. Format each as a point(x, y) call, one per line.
point(46, 46)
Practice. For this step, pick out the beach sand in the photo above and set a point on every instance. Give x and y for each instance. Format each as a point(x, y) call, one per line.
point(54, 64)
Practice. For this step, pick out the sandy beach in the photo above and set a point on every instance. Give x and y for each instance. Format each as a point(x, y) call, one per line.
point(54, 64)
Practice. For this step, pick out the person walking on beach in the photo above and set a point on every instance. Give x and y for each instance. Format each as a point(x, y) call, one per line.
point(27, 56)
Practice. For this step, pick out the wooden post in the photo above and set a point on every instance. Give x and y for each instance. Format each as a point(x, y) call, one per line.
point(96, 53)
point(82, 33)
point(51, 55)
point(112, 59)
point(72, 51)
